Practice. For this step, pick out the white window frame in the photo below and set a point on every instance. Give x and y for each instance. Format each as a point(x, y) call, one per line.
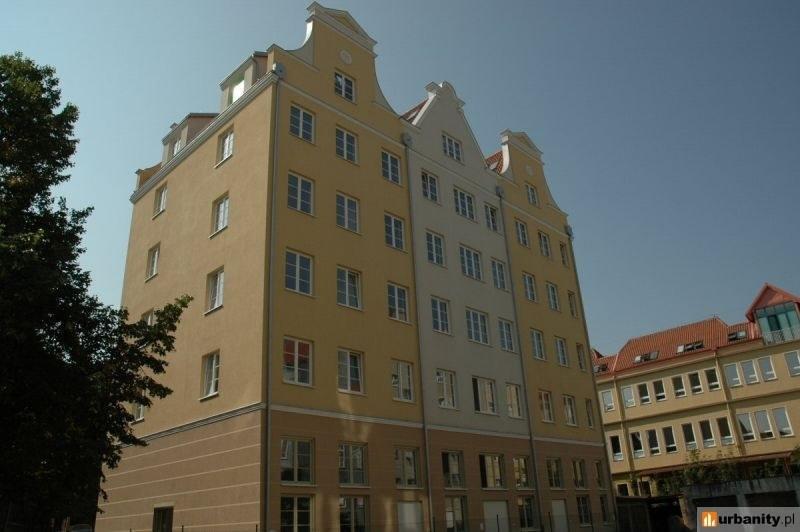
point(676, 391)
point(348, 288)
point(690, 445)
point(349, 361)
point(348, 212)
point(539, 347)
point(485, 402)
point(707, 442)
point(294, 368)
point(793, 362)
point(529, 282)
point(514, 400)
point(492, 217)
point(533, 194)
point(394, 231)
point(452, 147)
point(390, 167)
point(505, 329)
point(659, 395)
point(297, 283)
point(669, 447)
point(430, 186)
point(725, 440)
point(521, 229)
point(653, 450)
point(752, 378)
point(471, 262)
point(434, 248)
point(544, 245)
point(225, 148)
point(440, 315)
point(210, 375)
point(698, 387)
point(766, 427)
point(615, 456)
point(644, 399)
point(220, 210)
point(446, 385)
point(562, 355)
point(402, 381)
point(712, 384)
point(295, 510)
point(499, 274)
point(552, 296)
point(728, 378)
point(768, 375)
point(464, 203)
point(215, 289)
point(477, 326)
point(340, 86)
point(778, 424)
point(304, 118)
point(628, 398)
point(160, 200)
point(297, 202)
point(546, 406)
point(153, 256)
point(347, 145)
point(751, 434)
point(607, 400)
point(637, 436)
point(572, 299)
point(492, 467)
point(570, 411)
point(397, 302)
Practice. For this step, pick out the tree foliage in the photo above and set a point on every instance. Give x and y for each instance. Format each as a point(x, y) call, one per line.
point(70, 364)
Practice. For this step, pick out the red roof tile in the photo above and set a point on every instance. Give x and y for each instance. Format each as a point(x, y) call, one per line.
point(768, 296)
point(412, 113)
point(495, 161)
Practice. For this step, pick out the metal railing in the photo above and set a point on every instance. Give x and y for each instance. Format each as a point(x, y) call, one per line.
point(781, 335)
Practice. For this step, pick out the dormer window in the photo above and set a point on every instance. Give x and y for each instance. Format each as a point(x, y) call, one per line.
point(176, 147)
point(647, 357)
point(236, 89)
point(779, 323)
point(451, 147)
point(344, 86)
point(692, 346)
point(736, 336)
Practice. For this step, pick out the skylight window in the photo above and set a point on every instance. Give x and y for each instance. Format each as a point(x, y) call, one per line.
point(652, 355)
point(692, 346)
point(736, 336)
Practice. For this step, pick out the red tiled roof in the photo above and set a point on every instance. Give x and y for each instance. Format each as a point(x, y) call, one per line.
point(495, 161)
point(412, 113)
point(768, 296)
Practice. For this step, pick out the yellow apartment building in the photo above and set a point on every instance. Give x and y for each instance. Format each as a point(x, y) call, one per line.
point(727, 392)
point(387, 331)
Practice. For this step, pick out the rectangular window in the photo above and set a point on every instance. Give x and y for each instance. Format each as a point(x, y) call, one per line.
point(712, 379)
point(353, 513)
point(162, 519)
point(561, 352)
point(781, 417)
point(453, 469)
point(451, 147)
point(688, 436)
point(406, 467)
point(526, 509)
point(616, 448)
point(644, 393)
point(607, 399)
point(746, 427)
point(352, 464)
point(470, 262)
point(537, 338)
point(529, 282)
point(296, 460)
point(160, 200)
point(564, 250)
point(351, 371)
point(581, 356)
point(296, 361)
point(237, 90)
point(215, 289)
point(584, 510)
point(555, 473)
point(348, 288)
point(346, 145)
point(298, 272)
point(484, 397)
point(521, 473)
point(491, 470)
point(225, 146)
point(605, 513)
point(505, 329)
point(724, 428)
point(636, 445)
point(522, 233)
point(513, 400)
point(465, 203)
point(793, 362)
point(766, 369)
point(434, 244)
point(492, 218)
point(394, 234)
point(749, 371)
point(573, 304)
point(440, 314)
point(544, 244)
point(477, 330)
point(211, 374)
point(546, 406)
point(627, 396)
point(732, 375)
point(219, 210)
point(301, 191)
point(430, 186)
point(499, 274)
point(570, 413)
point(659, 391)
point(677, 386)
point(344, 86)
point(707, 434)
point(402, 384)
point(297, 514)
point(579, 473)
point(652, 442)
point(533, 194)
point(301, 123)
point(390, 167)
point(669, 440)
point(600, 474)
point(347, 210)
point(552, 296)
point(138, 410)
point(763, 424)
point(397, 300)
point(694, 383)
point(446, 388)
point(152, 261)
point(455, 514)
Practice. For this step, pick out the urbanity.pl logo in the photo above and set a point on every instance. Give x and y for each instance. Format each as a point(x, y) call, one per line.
point(740, 518)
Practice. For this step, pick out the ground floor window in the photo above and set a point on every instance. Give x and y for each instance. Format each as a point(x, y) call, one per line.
point(527, 513)
point(455, 510)
point(353, 514)
point(162, 519)
point(296, 514)
point(584, 510)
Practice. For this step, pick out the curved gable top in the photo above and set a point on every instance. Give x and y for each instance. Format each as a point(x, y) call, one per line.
point(343, 22)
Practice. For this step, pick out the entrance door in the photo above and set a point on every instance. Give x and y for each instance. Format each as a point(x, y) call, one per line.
point(495, 516)
point(409, 516)
point(559, 514)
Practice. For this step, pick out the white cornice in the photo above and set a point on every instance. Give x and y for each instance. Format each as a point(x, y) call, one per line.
point(342, 415)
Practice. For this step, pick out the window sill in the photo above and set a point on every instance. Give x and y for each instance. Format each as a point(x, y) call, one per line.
point(494, 489)
point(342, 305)
point(351, 392)
point(289, 483)
point(453, 408)
point(485, 344)
point(147, 279)
point(209, 396)
point(301, 384)
point(212, 310)
point(345, 159)
point(355, 486)
point(398, 320)
point(218, 231)
point(300, 211)
point(487, 413)
point(444, 333)
point(223, 161)
point(401, 250)
point(354, 231)
point(419, 488)
point(159, 213)
point(298, 137)
point(453, 488)
point(299, 293)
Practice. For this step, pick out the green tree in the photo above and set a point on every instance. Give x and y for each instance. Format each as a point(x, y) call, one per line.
point(70, 364)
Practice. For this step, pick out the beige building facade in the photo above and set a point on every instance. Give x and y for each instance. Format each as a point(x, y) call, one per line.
point(338, 369)
point(708, 389)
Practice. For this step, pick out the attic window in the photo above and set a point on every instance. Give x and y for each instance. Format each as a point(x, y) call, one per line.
point(692, 346)
point(599, 368)
point(652, 355)
point(736, 336)
point(236, 89)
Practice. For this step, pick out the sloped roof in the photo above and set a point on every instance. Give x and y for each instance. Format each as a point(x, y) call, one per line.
point(495, 161)
point(770, 295)
point(412, 113)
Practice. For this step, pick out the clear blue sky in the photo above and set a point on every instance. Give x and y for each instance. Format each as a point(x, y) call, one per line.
point(670, 130)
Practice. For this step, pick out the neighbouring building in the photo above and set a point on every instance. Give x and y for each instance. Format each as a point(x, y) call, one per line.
point(724, 393)
point(387, 330)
